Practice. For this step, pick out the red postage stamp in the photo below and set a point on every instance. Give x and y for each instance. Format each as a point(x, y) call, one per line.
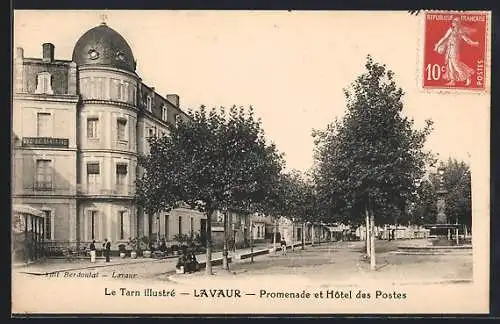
point(454, 53)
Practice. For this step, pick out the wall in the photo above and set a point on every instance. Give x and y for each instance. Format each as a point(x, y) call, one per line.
point(107, 224)
point(63, 212)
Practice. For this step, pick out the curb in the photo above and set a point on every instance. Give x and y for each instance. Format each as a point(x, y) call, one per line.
point(175, 278)
point(432, 253)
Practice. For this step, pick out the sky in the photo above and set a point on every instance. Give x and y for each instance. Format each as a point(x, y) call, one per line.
point(290, 66)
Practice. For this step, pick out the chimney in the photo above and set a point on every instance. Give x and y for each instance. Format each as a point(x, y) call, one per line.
point(48, 52)
point(174, 99)
point(19, 53)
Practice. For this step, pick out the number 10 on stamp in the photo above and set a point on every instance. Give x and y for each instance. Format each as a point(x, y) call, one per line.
point(455, 47)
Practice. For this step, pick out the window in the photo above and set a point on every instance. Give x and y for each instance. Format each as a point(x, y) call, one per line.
point(117, 90)
point(44, 83)
point(44, 124)
point(192, 226)
point(99, 88)
point(47, 231)
point(178, 119)
point(121, 177)
point(93, 88)
point(122, 225)
point(120, 91)
point(93, 177)
point(92, 127)
point(125, 87)
point(180, 225)
point(121, 125)
point(149, 103)
point(164, 113)
point(131, 94)
point(93, 224)
point(93, 54)
point(44, 174)
point(151, 132)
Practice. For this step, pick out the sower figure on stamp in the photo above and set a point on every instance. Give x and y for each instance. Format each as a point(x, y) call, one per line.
point(107, 249)
point(449, 45)
point(92, 251)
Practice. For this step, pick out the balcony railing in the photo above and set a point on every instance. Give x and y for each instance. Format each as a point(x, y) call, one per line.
point(121, 190)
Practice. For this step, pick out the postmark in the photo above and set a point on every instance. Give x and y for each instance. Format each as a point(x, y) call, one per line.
point(454, 51)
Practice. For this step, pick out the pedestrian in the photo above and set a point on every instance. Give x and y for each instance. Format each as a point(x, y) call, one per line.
point(163, 245)
point(107, 249)
point(283, 247)
point(92, 252)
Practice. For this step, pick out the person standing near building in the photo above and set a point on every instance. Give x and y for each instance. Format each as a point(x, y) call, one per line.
point(92, 252)
point(283, 247)
point(107, 249)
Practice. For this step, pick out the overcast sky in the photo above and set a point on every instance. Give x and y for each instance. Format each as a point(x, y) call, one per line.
point(291, 66)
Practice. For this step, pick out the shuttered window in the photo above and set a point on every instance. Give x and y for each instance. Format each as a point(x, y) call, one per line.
point(93, 177)
point(44, 174)
point(121, 129)
point(92, 127)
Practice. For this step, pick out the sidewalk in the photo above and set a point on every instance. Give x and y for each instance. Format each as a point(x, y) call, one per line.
point(339, 265)
point(61, 265)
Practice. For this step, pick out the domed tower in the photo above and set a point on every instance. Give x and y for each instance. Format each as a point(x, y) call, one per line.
point(107, 119)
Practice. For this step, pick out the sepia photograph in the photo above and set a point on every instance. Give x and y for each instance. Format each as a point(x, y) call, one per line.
point(250, 162)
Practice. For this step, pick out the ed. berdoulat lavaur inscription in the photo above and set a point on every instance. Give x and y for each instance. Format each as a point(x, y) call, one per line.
point(91, 274)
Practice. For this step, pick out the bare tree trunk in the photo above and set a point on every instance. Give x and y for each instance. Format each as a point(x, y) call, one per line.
point(303, 238)
point(208, 268)
point(251, 239)
point(225, 252)
point(274, 235)
point(367, 233)
point(293, 236)
point(320, 232)
point(312, 234)
point(373, 263)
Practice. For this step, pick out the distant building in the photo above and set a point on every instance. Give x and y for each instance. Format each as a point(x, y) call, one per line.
point(238, 229)
point(79, 126)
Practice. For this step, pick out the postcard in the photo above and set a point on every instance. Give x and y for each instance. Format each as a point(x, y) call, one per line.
point(250, 162)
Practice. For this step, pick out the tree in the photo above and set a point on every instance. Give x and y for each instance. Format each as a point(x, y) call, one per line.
point(457, 183)
point(214, 161)
point(370, 160)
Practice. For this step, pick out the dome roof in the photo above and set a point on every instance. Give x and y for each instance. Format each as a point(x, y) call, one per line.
point(104, 46)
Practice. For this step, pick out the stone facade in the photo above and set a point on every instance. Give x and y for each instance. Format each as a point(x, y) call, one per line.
point(79, 126)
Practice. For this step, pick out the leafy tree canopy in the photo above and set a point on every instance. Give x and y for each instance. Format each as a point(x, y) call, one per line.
point(372, 157)
point(218, 159)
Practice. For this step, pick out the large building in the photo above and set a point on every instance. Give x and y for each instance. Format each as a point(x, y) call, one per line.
point(79, 126)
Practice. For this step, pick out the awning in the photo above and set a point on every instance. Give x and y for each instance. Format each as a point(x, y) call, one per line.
point(26, 209)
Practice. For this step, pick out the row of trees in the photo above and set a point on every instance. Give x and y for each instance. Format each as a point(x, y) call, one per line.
point(368, 166)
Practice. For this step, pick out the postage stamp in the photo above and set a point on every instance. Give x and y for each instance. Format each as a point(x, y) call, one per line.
point(454, 53)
